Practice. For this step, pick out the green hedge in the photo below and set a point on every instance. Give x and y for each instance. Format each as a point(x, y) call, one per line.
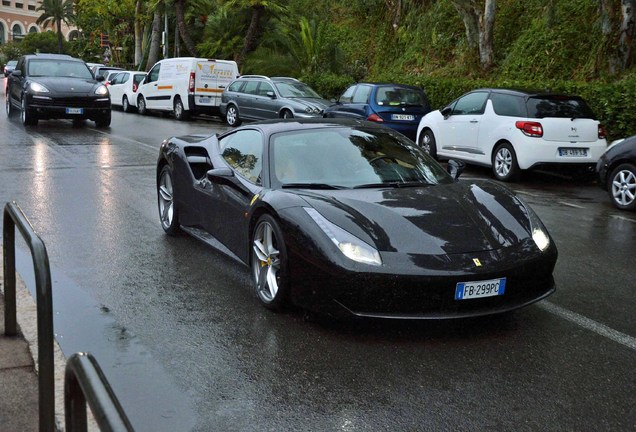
point(614, 103)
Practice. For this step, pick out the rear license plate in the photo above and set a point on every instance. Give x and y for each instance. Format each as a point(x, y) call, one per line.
point(479, 289)
point(573, 152)
point(402, 117)
point(74, 110)
point(205, 100)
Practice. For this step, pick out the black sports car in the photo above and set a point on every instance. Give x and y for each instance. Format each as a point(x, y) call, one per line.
point(351, 217)
point(52, 86)
point(616, 173)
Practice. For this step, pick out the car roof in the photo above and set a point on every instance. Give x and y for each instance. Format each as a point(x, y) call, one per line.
point(522, 92)
point(296, 124)
point(51, 57)
point(384, 84)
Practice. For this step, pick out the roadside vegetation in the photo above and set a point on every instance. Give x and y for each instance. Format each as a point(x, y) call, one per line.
point(445, 46)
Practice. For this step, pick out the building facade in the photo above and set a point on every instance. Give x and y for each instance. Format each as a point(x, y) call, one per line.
point(18, 17)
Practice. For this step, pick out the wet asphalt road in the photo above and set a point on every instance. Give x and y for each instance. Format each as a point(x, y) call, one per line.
point(186, 346)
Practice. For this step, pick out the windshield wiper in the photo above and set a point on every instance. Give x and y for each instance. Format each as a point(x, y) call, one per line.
point(394, 184)
point(311, 186)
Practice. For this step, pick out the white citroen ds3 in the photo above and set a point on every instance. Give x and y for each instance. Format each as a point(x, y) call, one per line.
point(512, 131)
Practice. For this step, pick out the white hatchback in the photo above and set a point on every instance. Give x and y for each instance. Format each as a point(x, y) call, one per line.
point(512, 131)
point(123, 89)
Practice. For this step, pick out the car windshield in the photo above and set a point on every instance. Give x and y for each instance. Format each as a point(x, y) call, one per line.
point(558, 106)
point(346, 157)
point(58, 68)
point(398, 96)
point(295, 89)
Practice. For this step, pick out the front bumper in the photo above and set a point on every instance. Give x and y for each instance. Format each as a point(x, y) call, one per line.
point(45, 107)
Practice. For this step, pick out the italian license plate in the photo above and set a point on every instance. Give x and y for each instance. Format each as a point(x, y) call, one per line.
point(402, 117)
point(575, 152)
point(74, 110)
point(479, 289)
point(204, 100)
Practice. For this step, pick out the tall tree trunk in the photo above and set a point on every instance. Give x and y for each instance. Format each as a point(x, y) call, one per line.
point(626, 32)
point(60, 37)
point(179, 6)
point(606, 12)
point(138, 34)
point(155, 41)
point(479, 27)
point(395, 9)
point(251, 35)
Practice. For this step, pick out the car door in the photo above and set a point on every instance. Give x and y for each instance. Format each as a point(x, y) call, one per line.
point(116, 87)
point(459, 131)
point(16, 83)
point(266, 104)
point(150, 90)
point(247, 100)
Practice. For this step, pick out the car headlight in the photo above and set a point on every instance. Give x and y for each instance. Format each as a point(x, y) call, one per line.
point(38, 88)
point(539, 232)
point(351, 246)
point(308, 110)
point(101, 91)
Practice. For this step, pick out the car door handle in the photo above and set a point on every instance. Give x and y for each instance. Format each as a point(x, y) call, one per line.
point(474, 121)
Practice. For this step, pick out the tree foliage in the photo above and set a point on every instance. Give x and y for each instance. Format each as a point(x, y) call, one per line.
point(54, 13)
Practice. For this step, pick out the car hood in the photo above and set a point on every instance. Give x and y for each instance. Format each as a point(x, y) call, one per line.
point(436, 220)
point(321, 104)
point(68, 85)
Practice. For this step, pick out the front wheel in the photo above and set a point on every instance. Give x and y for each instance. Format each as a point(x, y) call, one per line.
point(141, 105)
point(622, 187)
point(427, 143)
point(9, 107)
point(287, 114)
point(232, 116)
point(168, 213)
point(27, 117)
point(269, 263)
point(504, 163)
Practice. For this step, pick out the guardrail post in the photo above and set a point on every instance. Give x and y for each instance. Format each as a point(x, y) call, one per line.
point(14, 217)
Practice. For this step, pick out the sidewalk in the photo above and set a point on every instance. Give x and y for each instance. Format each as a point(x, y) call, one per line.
point(18, 380)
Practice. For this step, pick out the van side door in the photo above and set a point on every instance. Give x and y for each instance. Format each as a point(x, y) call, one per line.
point(150, 89)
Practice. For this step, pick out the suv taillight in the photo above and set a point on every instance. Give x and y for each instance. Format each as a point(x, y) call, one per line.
point(601, 132)
point(532, 129)
point(375, 118)
point(191, 85)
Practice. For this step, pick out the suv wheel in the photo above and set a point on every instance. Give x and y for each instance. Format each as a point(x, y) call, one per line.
point(232, 117)
point(179, 112)
point(10, 109)
point(504, 163)
point(27, 117)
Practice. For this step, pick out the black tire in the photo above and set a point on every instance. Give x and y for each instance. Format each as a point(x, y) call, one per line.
point(141, 105)
point(286, 114)
point(125, 105)
point(428, 143)
point(504, 163)
point(103, 121)
point(168, 212)
point(621, 186)
point(269, 263)
point(27, 117)
point(10, 109)
point(178, 110)
point(232, 116)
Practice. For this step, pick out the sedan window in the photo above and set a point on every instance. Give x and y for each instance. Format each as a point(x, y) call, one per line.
point(250, 87)
point(243, 151)
point(472, 103)
point(361, 95)
point(347, 95)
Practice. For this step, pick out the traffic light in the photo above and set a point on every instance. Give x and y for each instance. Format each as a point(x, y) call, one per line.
point(103, 40)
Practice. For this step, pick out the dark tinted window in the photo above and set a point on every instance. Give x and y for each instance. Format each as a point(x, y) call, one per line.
point(138, 78)
point(153, 75)
point(558, 106)
point(397, 96)
point(472, 103)
point(508, 105)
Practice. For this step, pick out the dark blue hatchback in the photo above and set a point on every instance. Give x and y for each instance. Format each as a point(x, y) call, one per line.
point(397, 106)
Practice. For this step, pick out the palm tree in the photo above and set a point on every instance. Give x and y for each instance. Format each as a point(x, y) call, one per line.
point(56, 12)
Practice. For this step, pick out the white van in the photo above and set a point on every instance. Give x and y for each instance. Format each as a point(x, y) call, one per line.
point(186, 85)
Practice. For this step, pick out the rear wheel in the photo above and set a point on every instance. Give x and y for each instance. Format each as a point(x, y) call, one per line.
point(622, 187)
point(427, 143)
point(269, 263)
point(141, 105)
point(178, 110)
point(168, 213)
point(504, 163)
point(125, 105)
point(232, 116)
point(27, 117)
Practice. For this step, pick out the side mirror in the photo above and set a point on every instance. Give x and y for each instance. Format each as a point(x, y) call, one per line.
point(455, 168)
point(271, 94)
point(16, 73)
point(446, 112)
point(100, 78)
point(222, 175)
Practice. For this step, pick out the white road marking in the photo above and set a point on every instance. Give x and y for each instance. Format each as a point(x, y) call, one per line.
point(565, 203)
point(623, 218)
point(589, 324)
point(528, 193)
point(154, 148)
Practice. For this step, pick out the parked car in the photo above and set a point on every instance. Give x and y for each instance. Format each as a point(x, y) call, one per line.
point(257, 97)
point(123, 89)
point(186, 85)
point(512, 131)
point(616, 173)
point(103, 71)
point(349, 217)
point(109, 75)
point(52, 86)
point(9, 67)
point(397, 106)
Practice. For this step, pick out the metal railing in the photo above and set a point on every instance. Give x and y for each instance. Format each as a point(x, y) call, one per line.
point(14, 217)
point(84, 380)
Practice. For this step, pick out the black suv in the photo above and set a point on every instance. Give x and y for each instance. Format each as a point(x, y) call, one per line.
point(51, 86)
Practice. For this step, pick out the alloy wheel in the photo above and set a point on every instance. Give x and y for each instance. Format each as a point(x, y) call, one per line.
point(231, 116)
point(166, 200)
point(503, 162)
point(624, 187)
point(266, 261)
